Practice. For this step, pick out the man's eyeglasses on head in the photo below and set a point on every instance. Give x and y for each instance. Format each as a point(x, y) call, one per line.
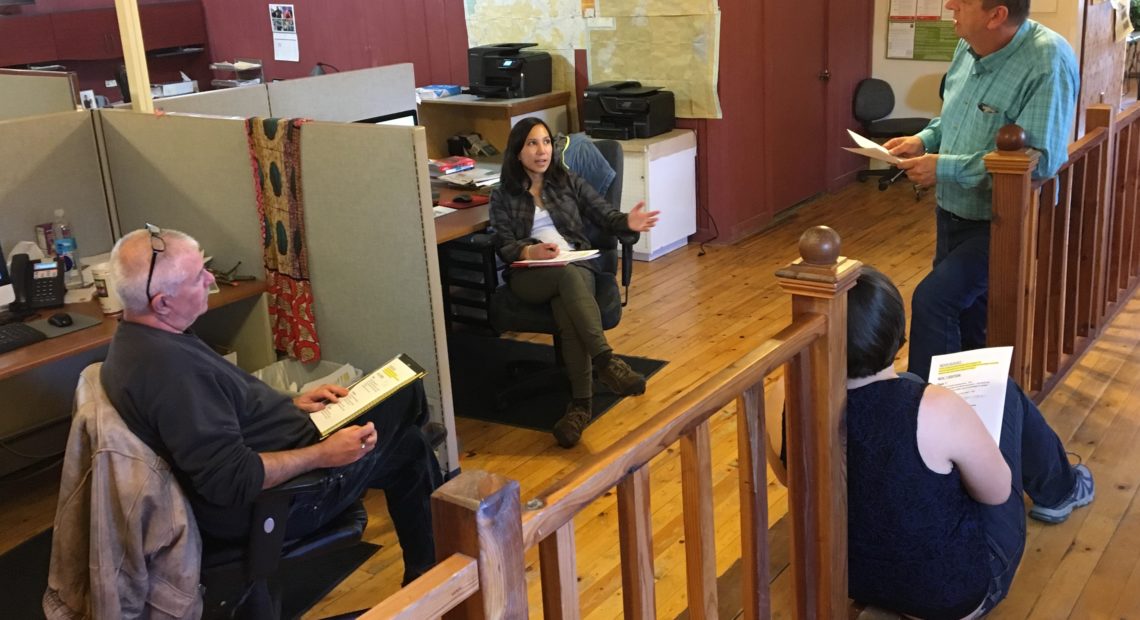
point(157, 244)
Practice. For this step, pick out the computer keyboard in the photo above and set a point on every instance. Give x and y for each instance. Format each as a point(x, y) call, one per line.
point(16, 335)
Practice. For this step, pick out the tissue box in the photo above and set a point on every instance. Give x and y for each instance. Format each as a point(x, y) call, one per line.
point(174, 88)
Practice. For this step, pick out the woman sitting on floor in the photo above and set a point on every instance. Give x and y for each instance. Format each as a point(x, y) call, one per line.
point(537, 213)
point(936, 519)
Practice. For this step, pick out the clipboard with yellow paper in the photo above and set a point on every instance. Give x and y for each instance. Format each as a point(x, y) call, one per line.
point(366, 393)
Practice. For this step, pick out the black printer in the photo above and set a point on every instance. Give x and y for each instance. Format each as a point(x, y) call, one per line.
point(505, 71)
point(625, 110)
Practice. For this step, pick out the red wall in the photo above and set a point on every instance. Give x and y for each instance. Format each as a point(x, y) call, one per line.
point(348, 34)
point(729, 148)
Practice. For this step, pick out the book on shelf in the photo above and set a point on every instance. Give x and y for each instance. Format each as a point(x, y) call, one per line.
point(450, 165)
point(368, 391)
point(563, 258)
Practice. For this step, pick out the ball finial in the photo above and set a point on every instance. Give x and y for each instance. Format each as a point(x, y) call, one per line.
point(819, 245)
point(1010, 138)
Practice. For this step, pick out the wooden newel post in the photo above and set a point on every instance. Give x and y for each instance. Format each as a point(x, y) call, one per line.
point(1013, 234)
point(478, 514)
point(817, 394)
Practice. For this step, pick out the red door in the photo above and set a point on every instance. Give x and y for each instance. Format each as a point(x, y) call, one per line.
point(795, 121)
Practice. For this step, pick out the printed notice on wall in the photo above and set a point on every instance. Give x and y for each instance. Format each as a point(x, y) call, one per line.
point(920, 30)
point(283, 23)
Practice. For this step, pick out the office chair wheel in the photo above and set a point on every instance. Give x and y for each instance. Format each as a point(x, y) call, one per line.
point(884, 183)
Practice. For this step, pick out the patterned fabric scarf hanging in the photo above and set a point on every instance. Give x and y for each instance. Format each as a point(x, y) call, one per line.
point(275, 151)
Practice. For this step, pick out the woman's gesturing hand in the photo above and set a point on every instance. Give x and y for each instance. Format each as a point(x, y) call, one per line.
point(641, 220)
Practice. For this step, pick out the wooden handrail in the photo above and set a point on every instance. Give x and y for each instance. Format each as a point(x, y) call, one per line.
point(1127, 116)
point(435, 593)
point(1065, 251)
point(478, 515)
point(557, 504)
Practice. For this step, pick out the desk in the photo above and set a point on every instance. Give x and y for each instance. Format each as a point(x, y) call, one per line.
point(47, 351)
point(492, 118)
point(37, 381)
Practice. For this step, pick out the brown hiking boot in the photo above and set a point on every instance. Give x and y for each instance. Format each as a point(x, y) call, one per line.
point(620, 378)
point(569, 429)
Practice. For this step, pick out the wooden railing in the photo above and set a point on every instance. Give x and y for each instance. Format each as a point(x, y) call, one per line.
point(1064, 252)
point(479, 519)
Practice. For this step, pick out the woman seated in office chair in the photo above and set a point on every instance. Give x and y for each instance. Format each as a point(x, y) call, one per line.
point(537, 213)
point(936, 518)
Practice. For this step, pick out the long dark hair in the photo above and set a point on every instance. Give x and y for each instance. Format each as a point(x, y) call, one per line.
point(876, 324)
point(514, 178)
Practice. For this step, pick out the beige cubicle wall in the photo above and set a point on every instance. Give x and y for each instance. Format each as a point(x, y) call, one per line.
point(47, 163)
point(189, 173)
point(371, 236)
point(339, 97)
point(242, 101)
point(34, 93)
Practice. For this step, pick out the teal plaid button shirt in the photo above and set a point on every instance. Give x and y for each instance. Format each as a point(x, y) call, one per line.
point(1032, 82)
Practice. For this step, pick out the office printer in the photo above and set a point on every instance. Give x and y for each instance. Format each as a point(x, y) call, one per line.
point(505, 71)
point(625, 110)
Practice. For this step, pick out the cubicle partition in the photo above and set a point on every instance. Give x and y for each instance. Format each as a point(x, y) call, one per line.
point(47, 162)
point(346, 96)
point(34, 93)
point(241, 101)
point(343, 97)
point(371, 236)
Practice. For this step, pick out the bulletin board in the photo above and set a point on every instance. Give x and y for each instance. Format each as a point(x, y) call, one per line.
point(920, 30)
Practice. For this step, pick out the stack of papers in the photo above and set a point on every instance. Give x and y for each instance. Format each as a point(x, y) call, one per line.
point(980, 378)
point(564, 258)
point(870, 148)
point(481, 175)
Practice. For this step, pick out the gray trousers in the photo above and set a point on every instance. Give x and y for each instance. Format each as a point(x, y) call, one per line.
point(570, 292)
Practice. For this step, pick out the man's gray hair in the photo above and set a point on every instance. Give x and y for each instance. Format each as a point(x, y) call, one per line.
point(1018, 9)
point(130, 264)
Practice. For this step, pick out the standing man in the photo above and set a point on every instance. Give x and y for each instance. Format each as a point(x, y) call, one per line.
point(1007, 69)
point(227, 436)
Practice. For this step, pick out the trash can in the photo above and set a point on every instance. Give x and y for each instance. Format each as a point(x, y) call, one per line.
point(293, 377)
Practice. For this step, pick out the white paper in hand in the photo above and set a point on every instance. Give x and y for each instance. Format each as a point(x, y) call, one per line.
point(870, 148)
point(980, 378)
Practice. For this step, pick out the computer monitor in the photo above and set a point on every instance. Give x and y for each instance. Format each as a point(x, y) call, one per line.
point(7, 293)
point(407, 118)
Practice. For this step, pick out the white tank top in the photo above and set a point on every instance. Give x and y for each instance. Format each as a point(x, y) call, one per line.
point(544, 230)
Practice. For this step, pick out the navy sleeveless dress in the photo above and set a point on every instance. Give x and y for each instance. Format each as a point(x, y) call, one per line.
point(916, 544)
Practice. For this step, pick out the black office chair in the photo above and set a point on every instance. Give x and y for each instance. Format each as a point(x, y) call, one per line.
point(238, 578)
point(509, 313)
point(874, 101)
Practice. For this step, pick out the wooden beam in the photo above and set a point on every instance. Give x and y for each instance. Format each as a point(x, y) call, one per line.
point(635, 536)
point(750, 445)
point(478, 514)
point(556, 558)
point(700, 538)
point(134, 55)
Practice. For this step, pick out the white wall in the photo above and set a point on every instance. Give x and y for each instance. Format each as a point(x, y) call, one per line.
point(915, 82)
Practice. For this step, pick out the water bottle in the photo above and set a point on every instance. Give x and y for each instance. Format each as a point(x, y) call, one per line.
point(60, 228)
point(65, 251)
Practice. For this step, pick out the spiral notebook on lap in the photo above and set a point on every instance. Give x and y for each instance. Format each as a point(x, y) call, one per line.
point(370, 390)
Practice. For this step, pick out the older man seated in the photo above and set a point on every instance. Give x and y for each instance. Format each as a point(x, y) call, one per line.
point(228, 435)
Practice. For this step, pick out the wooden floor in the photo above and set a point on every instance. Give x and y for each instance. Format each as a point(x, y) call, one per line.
point(702, 312)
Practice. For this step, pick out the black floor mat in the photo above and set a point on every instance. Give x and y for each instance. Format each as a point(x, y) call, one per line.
point(25, 570)
point(480, 368)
